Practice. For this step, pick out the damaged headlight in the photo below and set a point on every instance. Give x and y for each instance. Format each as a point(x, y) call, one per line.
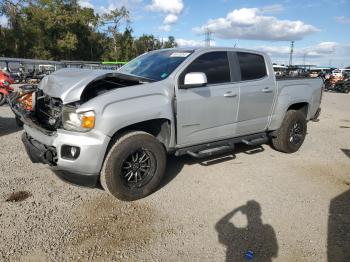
point(81, 122)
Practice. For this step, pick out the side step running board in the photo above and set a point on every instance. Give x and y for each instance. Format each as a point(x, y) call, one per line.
point(211, 152)
point(256, 141)
point(221, 146)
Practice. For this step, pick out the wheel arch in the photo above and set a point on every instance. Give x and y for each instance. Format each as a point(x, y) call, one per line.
point(302, 106)
point(160, 128)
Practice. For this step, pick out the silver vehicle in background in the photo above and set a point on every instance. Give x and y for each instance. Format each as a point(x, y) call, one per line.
point(115, 128)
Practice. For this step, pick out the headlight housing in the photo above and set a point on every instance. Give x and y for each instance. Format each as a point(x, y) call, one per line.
point(5, 83)
point(81, 122)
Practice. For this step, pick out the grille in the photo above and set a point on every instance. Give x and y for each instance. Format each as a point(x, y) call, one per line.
point(48, 111)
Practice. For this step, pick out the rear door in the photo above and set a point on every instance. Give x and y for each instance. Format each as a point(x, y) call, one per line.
point(207, 113)
point(257, 92)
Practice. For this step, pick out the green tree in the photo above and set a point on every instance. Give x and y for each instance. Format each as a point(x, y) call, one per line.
point(170, 43)
point(126, 43)
point(63, 30)
point(12, 9)
point(146, 43)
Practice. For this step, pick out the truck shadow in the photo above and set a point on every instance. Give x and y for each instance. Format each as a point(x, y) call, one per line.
point(8, 126)
point(176, 164)
point(338, 241)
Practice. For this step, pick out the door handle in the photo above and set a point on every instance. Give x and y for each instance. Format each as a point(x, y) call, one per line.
point(266, 90)
point(230, 94)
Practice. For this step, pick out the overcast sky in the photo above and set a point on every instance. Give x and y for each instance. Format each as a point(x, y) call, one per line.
point(320, 29)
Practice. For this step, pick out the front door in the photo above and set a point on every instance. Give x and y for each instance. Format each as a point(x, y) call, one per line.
point(207, 113)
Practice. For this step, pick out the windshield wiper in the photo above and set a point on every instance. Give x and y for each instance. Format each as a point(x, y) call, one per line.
point(139, 78)
point(147, 80)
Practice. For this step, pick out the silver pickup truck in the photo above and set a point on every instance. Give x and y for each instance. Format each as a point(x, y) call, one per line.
point(114, 128)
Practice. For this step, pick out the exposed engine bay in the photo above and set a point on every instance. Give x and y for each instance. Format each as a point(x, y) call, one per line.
point(31, 105)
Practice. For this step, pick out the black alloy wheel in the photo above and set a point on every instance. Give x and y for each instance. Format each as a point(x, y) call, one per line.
point(138, 168)
point(296, 133)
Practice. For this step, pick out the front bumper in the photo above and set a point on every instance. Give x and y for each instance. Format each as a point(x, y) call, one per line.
point(91, 180)
point(39, 153)
point(46, 149)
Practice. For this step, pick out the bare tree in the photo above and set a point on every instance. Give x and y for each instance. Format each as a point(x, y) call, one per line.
point(114, 20)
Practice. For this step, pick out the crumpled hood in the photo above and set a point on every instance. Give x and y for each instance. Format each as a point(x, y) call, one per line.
point(69, 83)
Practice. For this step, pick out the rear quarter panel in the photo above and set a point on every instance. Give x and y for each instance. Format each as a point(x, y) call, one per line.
point(296, 91)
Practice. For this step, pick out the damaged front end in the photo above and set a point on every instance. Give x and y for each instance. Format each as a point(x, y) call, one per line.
point(53, 103)
point(36, 109)
point(58, 110)
point(41, 112)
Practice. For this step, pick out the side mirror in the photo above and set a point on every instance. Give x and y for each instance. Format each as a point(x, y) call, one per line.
point(195, 79)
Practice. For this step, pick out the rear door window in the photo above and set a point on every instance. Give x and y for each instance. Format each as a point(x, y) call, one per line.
point(252, 66)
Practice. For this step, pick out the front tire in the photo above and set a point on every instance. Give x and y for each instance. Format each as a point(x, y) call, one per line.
point(291, 135)
point(134, 166)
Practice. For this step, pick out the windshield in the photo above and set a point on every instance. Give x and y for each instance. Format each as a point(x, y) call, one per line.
point(156, 65)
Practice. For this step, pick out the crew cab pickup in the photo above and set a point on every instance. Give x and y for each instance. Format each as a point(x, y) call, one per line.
point(115, 128)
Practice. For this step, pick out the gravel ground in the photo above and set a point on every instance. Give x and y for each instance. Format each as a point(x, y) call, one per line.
point(274, 204)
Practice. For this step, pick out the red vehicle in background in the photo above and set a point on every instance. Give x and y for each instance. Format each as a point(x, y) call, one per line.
point(5, 86)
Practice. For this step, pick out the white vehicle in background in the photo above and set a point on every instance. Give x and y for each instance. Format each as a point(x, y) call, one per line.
point(341, 72)
point(47, 69)
point(280, 70)
point(319, 71)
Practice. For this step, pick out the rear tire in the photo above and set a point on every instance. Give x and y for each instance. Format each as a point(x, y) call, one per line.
point(291, 135)
point(134, 166)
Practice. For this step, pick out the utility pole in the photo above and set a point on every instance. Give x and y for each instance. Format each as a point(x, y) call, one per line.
point(207, 37)
point(291, 53)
